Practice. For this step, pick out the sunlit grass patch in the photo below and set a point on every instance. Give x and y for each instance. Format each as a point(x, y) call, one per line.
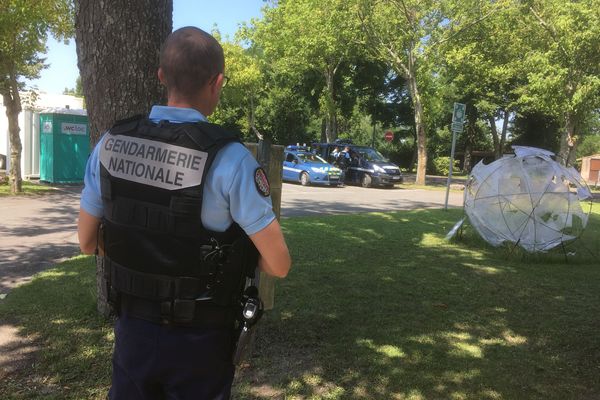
point(377, 306)
point(29, 188)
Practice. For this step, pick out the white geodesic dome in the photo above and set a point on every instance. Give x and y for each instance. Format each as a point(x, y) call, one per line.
point(527, 199)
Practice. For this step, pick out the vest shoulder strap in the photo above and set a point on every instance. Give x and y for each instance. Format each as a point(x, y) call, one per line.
point(126, 125)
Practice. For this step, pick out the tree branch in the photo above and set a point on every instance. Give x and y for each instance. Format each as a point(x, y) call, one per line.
point(550, 30)
point(467, 26)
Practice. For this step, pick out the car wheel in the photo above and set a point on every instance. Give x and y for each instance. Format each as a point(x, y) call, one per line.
point(366, 181)
point(304, 179)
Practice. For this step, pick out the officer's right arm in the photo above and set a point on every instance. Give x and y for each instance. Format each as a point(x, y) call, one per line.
point(91, 208)
point(274, 258)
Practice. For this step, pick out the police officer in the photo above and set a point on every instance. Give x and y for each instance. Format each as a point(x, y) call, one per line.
point(183, 215)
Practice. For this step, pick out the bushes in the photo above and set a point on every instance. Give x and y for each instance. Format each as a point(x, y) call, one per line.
point(440, 166)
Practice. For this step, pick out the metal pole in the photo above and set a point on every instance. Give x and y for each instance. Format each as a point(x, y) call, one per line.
point(450, 170)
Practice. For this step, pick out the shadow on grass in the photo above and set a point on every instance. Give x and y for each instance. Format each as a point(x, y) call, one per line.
point(380, 307)
point(58, 311)
point(377, 306)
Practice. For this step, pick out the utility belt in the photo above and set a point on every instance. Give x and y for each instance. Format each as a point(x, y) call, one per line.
point(167, 300)
point(179, 312)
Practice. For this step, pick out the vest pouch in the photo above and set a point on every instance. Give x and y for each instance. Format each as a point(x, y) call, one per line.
point(240, 263)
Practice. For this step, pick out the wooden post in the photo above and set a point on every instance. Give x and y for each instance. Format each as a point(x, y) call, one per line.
point(270, 157)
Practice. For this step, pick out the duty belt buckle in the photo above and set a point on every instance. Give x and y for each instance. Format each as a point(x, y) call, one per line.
point(183, 310)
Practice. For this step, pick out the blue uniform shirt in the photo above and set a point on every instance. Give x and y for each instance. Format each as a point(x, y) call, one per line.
point(230, 192)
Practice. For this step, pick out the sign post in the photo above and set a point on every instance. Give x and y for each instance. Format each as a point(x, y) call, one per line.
point(458, 120)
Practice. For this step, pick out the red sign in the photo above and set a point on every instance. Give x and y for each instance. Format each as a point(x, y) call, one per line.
point(389, 136)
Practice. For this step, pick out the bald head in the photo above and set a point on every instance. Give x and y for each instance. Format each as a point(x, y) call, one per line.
point(190, 58)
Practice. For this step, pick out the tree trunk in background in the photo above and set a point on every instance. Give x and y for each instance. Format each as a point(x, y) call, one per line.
point(419, 120)
point(495, 138)
point(567, 141)
point(503, 133)
point(12, 102)
point(118, 45)
point(469, 139)
point(331, 117)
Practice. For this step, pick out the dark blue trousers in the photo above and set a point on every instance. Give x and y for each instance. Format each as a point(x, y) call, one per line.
point(155, 362)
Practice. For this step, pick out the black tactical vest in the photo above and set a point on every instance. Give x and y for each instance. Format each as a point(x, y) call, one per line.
point(157, 251)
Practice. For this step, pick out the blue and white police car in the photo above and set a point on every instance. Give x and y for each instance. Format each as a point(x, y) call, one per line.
point(301, 165)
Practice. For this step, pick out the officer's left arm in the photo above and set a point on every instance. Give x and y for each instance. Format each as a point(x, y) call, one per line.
point(251, 207)
point(275, 257)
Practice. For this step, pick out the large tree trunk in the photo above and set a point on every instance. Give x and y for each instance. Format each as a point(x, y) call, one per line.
point(419, 120)
point(118, 46)
point(12, 102)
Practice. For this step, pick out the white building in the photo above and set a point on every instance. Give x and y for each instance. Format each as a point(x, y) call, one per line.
point(29, 121)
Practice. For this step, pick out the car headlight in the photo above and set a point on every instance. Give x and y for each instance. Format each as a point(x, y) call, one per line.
point(377, 168)
point(315, 169)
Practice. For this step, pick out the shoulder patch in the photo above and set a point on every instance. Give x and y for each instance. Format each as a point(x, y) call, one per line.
point(261, 181)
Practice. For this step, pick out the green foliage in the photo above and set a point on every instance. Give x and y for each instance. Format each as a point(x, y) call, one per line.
point(537, 130)
point(24, 26)
point(441, 166)
point(308, 66)
point(77, 90)
point(589, 146)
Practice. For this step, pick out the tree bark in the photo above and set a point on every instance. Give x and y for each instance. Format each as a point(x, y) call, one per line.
point(503, 134)
point(118, 46)
point(331, 117)
point(495, 137)
point(470, 138)
point(567, 141)
point(12, 102)
point(419, 119)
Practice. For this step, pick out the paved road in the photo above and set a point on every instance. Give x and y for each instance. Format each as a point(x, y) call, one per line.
point(36, 232)
point(298, 200)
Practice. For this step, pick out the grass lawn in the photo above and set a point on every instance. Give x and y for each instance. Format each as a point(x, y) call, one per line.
point(28, 189)
point(377, 306)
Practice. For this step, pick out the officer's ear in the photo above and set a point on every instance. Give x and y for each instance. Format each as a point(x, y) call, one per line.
point(161, 76)
point(216, 85)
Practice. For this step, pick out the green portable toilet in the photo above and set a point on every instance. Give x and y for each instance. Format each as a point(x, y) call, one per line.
point(64, 145)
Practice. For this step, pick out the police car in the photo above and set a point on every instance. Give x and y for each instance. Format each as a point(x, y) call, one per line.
point(301, 165)
point(363, 166)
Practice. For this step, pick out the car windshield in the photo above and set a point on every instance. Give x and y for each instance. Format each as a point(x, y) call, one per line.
point(310, 157)
point(370, 154)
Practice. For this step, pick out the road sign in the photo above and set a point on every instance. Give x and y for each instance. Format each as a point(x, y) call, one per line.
point(389, 136)
point(459, 114)
point(457, 127)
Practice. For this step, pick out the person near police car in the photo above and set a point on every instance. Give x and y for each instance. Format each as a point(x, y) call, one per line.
point(182, 213)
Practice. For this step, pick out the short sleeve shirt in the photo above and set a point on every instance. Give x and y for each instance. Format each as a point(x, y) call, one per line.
point(230, 190)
